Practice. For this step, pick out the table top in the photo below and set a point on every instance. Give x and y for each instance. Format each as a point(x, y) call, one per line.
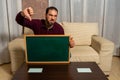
point(61, 72)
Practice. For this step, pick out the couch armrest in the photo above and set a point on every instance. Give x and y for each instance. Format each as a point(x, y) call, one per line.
point(101, 44)
point(16, 50)
point(105, 49)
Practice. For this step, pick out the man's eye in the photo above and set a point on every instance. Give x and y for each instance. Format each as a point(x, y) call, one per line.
point(50, 15)
point(55, 15)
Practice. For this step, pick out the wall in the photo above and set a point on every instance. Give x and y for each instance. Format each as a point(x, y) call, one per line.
point(39, 7)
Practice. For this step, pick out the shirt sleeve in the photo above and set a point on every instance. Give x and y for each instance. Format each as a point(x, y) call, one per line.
point(24, 21)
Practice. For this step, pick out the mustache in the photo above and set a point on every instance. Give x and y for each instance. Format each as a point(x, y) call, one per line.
point(52, 20)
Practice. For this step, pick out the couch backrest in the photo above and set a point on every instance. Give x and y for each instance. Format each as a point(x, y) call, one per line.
point(27, 31)
point(81, 32)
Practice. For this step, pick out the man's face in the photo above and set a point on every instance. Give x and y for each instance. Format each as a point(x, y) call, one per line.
point(51, 16)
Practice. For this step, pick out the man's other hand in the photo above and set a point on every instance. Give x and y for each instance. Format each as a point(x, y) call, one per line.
point(72, 43)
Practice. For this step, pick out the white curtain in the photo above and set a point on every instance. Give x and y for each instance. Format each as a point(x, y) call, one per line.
point(112, 23)
point(105, 12)
point(9, 28)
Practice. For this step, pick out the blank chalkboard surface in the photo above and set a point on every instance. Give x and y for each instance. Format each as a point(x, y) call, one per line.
point(47, 49)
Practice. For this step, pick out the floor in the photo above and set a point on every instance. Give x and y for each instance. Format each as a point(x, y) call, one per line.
point(5, 73)
point(115, 71)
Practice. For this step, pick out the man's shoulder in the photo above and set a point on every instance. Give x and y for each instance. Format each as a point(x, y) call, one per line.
point(58, 24)
point(40, 21)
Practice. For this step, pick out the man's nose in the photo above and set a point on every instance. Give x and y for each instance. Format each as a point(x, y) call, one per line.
point(53, 17)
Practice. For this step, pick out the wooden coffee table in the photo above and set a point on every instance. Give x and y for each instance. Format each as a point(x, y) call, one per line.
point(61, 72)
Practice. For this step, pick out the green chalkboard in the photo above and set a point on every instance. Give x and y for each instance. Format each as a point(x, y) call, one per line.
point(47, 48)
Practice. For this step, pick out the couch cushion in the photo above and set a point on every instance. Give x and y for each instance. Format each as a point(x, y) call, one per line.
point(84, 53)
point(81, 32)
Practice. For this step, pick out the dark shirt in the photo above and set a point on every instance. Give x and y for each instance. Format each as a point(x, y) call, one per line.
point(38, 26)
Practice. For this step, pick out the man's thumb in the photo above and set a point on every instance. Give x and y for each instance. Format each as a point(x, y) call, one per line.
point(28, 17)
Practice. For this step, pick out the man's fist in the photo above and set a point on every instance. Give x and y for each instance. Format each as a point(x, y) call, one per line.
point(27, 13)
point(71, 41)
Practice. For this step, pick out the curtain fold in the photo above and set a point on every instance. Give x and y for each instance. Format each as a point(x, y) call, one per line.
point(9, 28)
point(112, 23)
point(105, 12)
point(13, 7)
point(4, 33)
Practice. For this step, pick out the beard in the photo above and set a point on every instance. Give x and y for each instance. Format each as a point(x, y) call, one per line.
point(49, 24)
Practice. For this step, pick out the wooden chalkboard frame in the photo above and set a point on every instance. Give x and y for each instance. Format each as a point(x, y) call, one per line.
point(57, 40)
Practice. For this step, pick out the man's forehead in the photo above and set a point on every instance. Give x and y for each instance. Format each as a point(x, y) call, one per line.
point(52, 10)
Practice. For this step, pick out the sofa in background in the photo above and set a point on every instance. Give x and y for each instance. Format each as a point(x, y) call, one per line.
point(89, 46)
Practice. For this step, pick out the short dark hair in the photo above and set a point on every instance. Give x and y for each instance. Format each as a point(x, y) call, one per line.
point(51, 8)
